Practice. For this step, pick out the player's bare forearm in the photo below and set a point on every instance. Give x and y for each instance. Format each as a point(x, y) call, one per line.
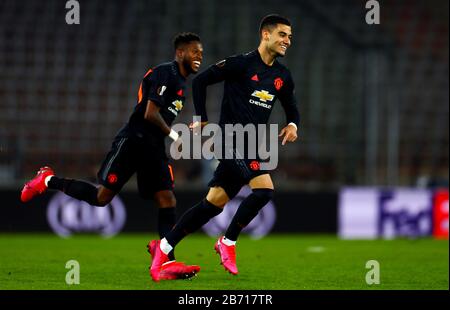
point(152, 115)
point(288, 134)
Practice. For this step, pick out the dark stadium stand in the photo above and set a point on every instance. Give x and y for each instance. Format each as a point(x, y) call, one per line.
point(373, 99)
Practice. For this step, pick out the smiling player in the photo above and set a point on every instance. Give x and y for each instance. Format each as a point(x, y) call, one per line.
point(253, 82)
point(139, 147)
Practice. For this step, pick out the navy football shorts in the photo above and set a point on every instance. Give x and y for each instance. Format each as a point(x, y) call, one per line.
point(129, 155)
point(232, 174)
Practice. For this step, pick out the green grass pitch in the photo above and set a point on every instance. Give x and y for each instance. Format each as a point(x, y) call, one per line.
point(288, 262)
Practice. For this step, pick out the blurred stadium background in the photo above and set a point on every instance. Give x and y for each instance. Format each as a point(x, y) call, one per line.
point(373, 99)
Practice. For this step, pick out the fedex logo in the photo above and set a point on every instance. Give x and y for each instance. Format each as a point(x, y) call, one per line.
point(405, 213)
point(368, 213)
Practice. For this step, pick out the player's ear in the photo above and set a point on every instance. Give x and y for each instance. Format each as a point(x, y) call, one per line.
point(265, 33)
point(179, 52)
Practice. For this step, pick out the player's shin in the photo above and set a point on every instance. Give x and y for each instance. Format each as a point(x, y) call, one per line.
point(247, 211)
point(77, 189)
point(166, 221)
point(192, 220)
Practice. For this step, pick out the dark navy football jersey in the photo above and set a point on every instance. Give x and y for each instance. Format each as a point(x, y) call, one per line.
point(251, 89)
point(165, 86)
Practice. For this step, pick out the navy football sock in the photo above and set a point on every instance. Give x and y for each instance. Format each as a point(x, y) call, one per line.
point(191, 220)
point(166, 221)
point(77, 189)
point(247, 211)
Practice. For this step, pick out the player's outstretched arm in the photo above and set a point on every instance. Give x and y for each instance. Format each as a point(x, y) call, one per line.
point(227, 68)
point(199, 85)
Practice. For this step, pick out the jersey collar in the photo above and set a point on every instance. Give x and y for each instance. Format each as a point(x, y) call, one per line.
point(262, 62)
point(175, 64)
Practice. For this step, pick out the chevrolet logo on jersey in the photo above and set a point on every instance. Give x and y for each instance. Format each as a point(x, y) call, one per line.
point(178, 104)
point(263, 95)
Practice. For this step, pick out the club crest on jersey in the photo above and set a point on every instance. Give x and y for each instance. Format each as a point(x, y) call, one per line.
point(112, 178)
point(278, 83)
point(254, 165)
point(263, 95)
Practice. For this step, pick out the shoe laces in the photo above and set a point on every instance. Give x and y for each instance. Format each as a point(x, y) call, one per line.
point(42, 170)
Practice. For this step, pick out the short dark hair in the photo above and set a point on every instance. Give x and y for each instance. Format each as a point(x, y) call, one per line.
point(185, 38)
point(271, 21)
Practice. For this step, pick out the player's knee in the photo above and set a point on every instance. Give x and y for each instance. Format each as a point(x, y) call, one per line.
point(166, 200)
point(103, 200)
point(210, 208)
point(264, 195)
point(103, 196)
point(218, 202)
point(218, 198)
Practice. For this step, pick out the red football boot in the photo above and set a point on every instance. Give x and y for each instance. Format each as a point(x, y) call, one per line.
point(227, 256)
point(159, 258)
point(36, 186)
point(172, 270)
point(176, 270)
